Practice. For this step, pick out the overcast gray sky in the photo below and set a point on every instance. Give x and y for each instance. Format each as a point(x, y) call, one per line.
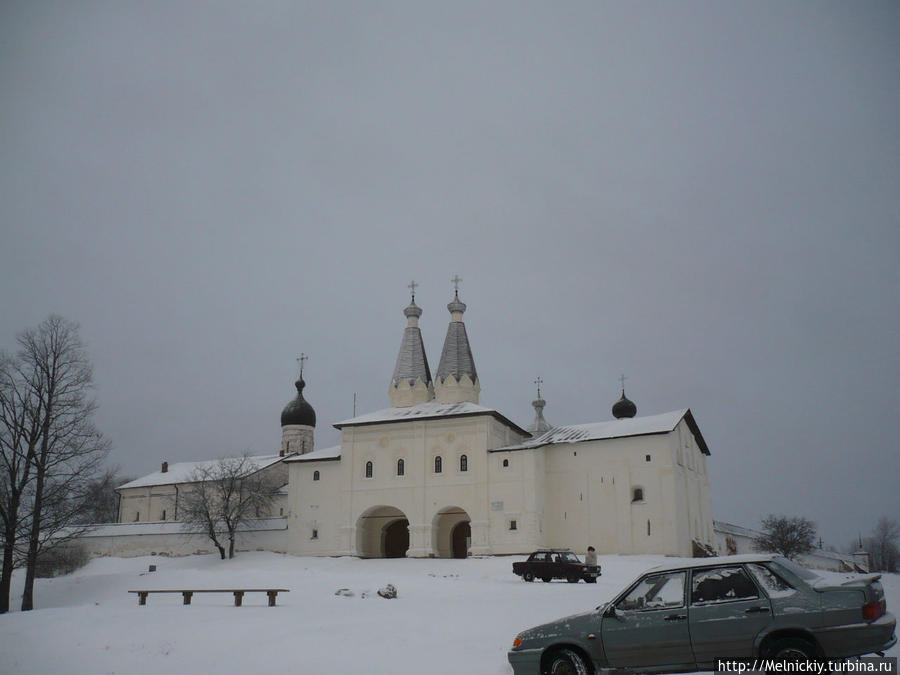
point(702, 195)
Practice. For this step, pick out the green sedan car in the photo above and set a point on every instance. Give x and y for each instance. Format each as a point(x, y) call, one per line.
point(683, 617)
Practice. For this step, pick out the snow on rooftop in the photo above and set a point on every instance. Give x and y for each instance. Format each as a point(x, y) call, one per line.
point(420, 411)
point(634, 426)
point(181, 472)
point(321, 454)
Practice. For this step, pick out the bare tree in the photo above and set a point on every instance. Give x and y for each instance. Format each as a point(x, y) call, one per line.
point(882, 545)
point(225, 496)
point(102, 499)
point(789, 536)
point(50, 445)
point(19, 439)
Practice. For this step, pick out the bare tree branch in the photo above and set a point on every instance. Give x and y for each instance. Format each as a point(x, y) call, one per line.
point(225, 496)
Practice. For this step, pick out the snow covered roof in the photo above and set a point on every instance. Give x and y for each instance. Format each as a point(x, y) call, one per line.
point(181, 472)
point(720, 560)
point(737, 530)
point(429, 410)
point(621, 428)
point(321, 455)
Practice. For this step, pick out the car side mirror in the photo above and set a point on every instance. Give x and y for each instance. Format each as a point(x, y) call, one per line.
point(611, 612)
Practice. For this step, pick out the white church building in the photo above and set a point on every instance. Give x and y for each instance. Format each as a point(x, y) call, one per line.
point(437, 474)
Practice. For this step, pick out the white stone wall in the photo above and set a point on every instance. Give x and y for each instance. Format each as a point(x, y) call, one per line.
point(344, 497)
point(129, 540)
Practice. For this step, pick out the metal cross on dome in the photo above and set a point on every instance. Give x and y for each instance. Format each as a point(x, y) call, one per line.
point(301, 360)
point(455, 281)
point(622, 379)
point(539, 381)
point(412, 287)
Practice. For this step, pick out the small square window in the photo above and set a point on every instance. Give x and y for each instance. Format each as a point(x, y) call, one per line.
point(513, 525)
point(505, 463)
point(647, 458)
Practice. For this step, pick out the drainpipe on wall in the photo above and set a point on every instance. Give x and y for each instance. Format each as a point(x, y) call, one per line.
point(118, 507)
point(176, 501)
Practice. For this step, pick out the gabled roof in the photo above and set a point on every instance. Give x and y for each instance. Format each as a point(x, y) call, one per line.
point(621, 428)
point(321, 455)
point(428, 411)
point(181, 472)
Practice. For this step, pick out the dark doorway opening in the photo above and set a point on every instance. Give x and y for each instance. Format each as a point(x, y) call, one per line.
point(460, 538)
point(396, 539)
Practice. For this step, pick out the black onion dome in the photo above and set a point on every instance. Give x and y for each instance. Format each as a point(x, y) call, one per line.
point(298, 411)
point(624, 408)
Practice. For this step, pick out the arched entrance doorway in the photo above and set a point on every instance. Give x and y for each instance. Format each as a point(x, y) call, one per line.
point(382, 532)
point(451, 534)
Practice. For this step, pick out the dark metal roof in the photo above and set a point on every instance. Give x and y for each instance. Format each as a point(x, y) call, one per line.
point(624, 408)
point(298, 411)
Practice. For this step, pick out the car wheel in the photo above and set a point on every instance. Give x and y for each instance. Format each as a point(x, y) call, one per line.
point(546, 580)
point(572, 578)
point(791, 649)
point(528, 576)
point(566, 662)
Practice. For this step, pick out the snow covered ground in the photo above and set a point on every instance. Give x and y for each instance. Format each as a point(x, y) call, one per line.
point(451, 616)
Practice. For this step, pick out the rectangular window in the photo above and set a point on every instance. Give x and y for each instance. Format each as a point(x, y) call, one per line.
point(722, 584)
point(513, 525)
point(163, 515)
point(658, 591)
point(315, 534)
point(647, 458)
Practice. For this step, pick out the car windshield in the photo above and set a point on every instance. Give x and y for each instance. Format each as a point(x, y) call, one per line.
point(570, 557)
point(796, 569)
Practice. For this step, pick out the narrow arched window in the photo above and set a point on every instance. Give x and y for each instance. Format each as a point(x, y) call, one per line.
point(315, 475)
point(463, 463)
point(505, 463)
point(648, 528)
point(401, 467)
point(368, 469)
point(438, 464)
point(637, 494)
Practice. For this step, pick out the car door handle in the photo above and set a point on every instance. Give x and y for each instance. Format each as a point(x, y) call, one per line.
point(676, 617)
point(756, 610)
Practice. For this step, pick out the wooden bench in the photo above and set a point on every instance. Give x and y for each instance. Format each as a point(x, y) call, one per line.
point(187, 594)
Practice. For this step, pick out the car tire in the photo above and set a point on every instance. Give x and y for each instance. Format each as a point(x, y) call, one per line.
point(546, 580)
point(791, 649)
point(572, 578)
point(566, 662)
point(528, 576)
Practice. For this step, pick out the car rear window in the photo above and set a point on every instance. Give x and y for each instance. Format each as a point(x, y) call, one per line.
point(721, 584)
point(774, 585)
point(795, 569)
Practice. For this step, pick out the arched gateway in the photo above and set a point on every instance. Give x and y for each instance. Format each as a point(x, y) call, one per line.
point(382, 532)
point(451, 533)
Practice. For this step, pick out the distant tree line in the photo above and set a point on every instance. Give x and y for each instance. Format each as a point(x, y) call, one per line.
point(52, 482)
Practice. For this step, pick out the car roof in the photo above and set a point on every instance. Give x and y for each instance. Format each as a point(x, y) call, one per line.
point(694, 563)
point(553, 550)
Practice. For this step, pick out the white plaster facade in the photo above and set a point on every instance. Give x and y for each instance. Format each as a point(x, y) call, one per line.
point(515, 497)
point(156, 497)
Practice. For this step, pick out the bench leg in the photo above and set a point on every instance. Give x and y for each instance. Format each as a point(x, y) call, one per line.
point(272, 595)
point(187, 597)
point(238, 598)
point(142, 598)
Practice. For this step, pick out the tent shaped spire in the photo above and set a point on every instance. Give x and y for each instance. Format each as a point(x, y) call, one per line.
point(456, 379)
point(411, 383)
